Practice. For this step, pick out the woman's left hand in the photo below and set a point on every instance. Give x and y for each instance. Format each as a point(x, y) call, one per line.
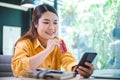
point(86, 72)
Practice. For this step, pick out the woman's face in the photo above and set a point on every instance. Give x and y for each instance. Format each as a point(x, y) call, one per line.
point(47, 25)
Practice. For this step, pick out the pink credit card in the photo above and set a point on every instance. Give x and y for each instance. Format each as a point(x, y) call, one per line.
point(63, 46)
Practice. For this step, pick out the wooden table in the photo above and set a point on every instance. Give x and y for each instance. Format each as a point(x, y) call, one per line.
point(22, 78)
point(76, 78)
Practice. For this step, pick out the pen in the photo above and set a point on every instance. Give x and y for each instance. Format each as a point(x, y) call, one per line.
point(59, 72)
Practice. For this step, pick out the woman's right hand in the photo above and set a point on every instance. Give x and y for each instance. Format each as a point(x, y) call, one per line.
point(51, 43)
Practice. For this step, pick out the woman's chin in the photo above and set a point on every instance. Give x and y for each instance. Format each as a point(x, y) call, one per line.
point(50, 37)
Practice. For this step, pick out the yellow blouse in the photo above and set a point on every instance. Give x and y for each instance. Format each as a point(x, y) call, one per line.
point(25, 49)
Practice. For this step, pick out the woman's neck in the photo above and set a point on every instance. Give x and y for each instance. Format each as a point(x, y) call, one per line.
point(43, 42)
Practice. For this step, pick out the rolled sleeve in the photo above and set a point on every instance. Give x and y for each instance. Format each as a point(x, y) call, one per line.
point(70, 66)
point(20, 60)
point(25, 63)
point(68, 61)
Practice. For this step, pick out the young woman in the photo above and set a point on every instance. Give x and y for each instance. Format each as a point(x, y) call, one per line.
point(41, 47)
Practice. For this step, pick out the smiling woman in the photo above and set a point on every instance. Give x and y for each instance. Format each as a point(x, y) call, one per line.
point(40, 47)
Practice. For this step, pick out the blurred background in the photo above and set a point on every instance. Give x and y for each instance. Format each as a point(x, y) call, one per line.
point(85, 26)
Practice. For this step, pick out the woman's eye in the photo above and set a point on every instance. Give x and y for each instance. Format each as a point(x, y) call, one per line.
point(55, 23)
point(46, 22)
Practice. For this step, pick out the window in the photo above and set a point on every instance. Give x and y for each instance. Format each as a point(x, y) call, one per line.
point(10, 36)
point(87, 25)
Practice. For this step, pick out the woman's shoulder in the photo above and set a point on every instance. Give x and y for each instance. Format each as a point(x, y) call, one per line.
point(24, 42)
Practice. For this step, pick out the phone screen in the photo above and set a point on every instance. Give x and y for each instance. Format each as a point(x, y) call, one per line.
point(87, 57)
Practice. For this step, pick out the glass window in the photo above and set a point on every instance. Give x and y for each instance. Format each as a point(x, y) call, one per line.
point(87, 25)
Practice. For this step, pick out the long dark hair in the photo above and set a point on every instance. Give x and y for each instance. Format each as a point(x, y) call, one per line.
point(38, 11)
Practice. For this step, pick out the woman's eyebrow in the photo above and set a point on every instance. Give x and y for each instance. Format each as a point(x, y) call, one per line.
point(55, 20)
point(46, 19)
point(49, 20)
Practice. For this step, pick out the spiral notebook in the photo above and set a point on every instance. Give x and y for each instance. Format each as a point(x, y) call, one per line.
point(107, 74)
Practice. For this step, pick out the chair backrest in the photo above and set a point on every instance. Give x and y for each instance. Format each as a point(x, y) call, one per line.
point(5, 66)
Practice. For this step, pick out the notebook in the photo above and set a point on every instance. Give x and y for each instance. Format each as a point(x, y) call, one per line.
point(107, 74)
point(47, 74)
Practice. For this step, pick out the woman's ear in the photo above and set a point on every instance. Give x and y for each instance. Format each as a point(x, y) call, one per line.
point(36, 25)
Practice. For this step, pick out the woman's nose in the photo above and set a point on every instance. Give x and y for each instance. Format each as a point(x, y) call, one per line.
point(51, 26)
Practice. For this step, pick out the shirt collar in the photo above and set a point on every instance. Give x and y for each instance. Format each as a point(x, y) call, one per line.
point(37, 43)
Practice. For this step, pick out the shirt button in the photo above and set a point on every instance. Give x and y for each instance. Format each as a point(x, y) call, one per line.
point(48, 66)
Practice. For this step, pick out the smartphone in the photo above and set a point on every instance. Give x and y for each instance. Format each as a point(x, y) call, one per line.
point(87, 57)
